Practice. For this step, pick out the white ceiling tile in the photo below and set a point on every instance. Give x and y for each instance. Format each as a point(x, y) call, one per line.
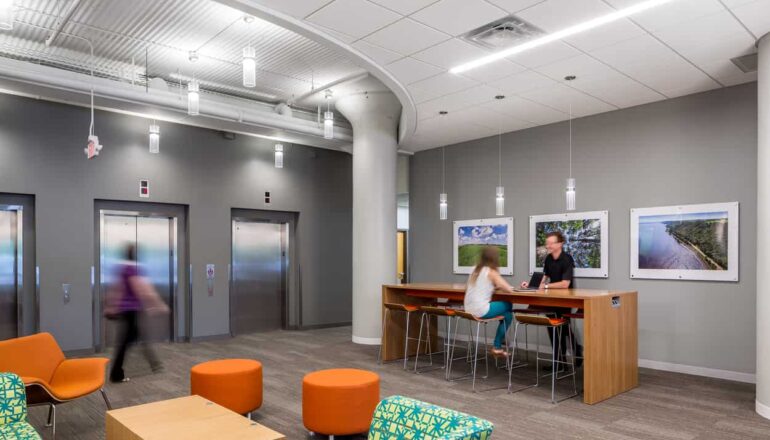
point(670, 13)
point(515, 5)
point(295, 8)
point(522, 82)
point(497, 122)
point(409, 70)
point(526, 110)
point(406, 36)
point(739, 79)
point(755, 15)
point(456, 17)
point(442, 84)
point(617, 89)
point(692, 87)
point(565, 98)
point(403, 7)
point(380, 55)
point(368, 17)
point(494, 71)
point(336, 34)
point(547, 54)
point(555, 15)
point(735, 3)
point(450, 53)
point(605, 35)
point(455, 101)
point(582, 66)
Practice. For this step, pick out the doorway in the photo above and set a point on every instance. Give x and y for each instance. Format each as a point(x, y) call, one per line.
point(260, 278)
point(154, 232)
point(18, 301)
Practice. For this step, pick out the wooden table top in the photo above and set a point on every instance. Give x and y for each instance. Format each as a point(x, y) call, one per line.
point(457, 288)
point(191, 418)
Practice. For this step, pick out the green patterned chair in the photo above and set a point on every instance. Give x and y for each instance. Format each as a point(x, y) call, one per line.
point(402, 418)
point(13, 410)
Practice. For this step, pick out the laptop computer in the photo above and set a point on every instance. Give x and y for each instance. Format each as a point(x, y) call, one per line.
point(534, 283)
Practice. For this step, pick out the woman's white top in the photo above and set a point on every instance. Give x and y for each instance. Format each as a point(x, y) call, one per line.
point(479, 294)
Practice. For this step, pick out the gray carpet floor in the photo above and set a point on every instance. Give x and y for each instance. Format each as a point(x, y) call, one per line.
point(665, 405)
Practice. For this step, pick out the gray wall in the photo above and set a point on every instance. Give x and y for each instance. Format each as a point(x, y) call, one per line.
point(41, 153)
point(696, 149)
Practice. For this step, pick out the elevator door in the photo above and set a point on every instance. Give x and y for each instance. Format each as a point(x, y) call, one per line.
point(153, 238)
point(9, 266)
point(259, 276)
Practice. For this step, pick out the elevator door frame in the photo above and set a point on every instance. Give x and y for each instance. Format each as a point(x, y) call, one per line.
point(178, 307)
point(291, 307)
point(19, 210)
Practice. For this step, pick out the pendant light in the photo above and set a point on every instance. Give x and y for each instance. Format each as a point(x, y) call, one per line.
point(154, 138)
point(328, 117)
point(6, 15)
point(278, 156)
point(249, 67)
point(193, 98)
point(500, 191)
point(570, 181)
point(442, 198)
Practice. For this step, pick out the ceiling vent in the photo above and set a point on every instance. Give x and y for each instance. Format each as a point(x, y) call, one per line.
point(747, 63)
point(503, 33)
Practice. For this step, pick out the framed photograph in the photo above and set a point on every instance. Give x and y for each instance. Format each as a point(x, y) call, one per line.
point(471, 236)
point(689, 242)
point(586, 237)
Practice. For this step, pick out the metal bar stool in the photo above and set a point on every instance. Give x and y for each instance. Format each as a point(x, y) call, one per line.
point(390, 308)
point(426, 313)
point(475, 346)
point(530, 311)
point(574, 343)
point(556, 325)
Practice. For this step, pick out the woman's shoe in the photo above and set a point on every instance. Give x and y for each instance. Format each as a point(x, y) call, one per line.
point(499, 352)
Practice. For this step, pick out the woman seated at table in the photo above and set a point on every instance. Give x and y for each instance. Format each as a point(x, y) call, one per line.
point(482, 283)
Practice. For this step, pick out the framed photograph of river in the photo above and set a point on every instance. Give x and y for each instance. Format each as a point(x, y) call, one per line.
point(471, 236)
point(586, 239)
point(689, 242)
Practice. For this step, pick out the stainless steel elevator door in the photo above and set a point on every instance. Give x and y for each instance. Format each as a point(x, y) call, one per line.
point(259, 274)
point(152, 237)
point(8, 275)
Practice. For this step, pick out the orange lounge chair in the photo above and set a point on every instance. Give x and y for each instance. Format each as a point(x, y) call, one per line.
point(49, 378)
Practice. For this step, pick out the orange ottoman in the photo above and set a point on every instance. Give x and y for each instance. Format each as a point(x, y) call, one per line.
point(235, 384)
point(339, 401)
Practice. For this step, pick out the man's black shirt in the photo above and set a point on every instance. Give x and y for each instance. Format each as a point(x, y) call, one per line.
point(560, 269)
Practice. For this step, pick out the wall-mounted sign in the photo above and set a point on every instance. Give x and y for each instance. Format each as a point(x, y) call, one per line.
point(144, 188)
point(210, 274)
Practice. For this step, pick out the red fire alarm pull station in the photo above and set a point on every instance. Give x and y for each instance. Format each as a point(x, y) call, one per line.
point(144, 188)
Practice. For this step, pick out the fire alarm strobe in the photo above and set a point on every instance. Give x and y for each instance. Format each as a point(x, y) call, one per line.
point(144, 188)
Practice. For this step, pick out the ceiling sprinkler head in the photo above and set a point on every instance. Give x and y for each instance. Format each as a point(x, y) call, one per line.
point(193, 56)
point(570, 78)
point(248, 19)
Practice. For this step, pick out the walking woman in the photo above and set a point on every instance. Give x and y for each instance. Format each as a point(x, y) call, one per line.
point(482, 283)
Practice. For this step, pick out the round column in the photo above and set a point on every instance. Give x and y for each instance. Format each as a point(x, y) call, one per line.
point(374, 117)
point(763, 234)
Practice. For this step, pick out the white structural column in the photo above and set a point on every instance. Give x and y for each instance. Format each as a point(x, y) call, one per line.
point(763, 232)
point(374, 117)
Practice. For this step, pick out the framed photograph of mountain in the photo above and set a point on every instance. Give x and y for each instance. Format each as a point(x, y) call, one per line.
point(471, 236)
point(586, 237)
point(689, 242)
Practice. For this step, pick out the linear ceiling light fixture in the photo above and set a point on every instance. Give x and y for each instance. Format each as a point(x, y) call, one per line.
point(559, 35)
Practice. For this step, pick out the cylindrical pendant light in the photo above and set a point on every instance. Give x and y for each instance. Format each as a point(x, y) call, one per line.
point(328, 117)
point(278, 156)
point(154, 138)
point(442, 198)
point(571, 181)
point(193, 98)
point(6, 15)
point(499, 190)
point(249, 67)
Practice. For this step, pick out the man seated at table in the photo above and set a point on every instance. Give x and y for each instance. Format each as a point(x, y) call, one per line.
point(558, 270)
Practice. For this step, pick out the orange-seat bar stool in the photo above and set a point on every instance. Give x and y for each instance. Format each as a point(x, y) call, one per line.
point(50, 378)
point(408, 309)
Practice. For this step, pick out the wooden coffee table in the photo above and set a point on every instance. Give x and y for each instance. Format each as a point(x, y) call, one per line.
point(190, 418)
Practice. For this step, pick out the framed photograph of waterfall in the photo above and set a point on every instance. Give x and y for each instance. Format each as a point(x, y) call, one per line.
point(586, 239)
point(472, 236)
point(689, 242)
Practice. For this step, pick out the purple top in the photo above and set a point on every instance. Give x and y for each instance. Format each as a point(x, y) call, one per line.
point(129, 302)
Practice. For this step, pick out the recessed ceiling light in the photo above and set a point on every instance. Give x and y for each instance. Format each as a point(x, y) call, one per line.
point(570, 78)
point(559, 35)
point(499, 96)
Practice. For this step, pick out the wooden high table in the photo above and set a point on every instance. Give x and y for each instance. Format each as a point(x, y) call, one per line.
point(610, 347)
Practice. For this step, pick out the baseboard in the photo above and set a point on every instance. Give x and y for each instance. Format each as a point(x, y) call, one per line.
point(762, 409)
point(366, 341)
point(322, 326)
point(736, 376)
point(210, 337)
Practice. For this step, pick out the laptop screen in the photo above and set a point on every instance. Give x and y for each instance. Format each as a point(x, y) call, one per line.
point(537, 278)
